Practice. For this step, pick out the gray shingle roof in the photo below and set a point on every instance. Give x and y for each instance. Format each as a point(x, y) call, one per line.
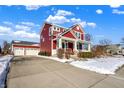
point(23, 42)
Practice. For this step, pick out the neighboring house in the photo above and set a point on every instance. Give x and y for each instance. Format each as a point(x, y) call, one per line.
point(53, 37)
point(24, 48)
point(115, 48)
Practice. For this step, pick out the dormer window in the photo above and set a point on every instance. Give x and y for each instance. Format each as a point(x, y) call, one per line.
point(56, 29)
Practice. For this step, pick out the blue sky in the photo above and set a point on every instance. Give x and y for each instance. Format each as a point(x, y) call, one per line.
point(24, 22)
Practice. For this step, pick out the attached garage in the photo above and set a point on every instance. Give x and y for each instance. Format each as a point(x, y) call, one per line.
point(24, 48)
point(18, 51)
point(31, 51)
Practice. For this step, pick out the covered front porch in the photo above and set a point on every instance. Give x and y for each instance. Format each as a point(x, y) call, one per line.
point(72, 44)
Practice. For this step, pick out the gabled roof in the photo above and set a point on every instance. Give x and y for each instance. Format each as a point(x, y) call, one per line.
point(59, 34)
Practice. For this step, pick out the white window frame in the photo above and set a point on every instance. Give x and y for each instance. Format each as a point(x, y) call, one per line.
point(78, 34)
point(50, 31)
point(55, 28)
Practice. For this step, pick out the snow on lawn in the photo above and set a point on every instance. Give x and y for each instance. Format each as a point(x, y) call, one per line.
point(57, 59)
point(4, 65)
point(100, 65)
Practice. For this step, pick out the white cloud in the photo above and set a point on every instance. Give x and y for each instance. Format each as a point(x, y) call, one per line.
point(99, 11)
point(4, 30)
point(34, 7)
point(61, 17)
point(7, 23)
point(19, 31)
point(75, 20)
point(83, 23)
point(22, 27)
point(27, 23)
point(63, 13)
point(25, 34)
point(115, 6)
point(57, 19)
point(91, 24)
point(116, 11)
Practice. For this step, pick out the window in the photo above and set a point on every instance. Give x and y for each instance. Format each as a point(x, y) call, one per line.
point(50, 31)
point(56, 28)
point(63, 45)
point(78, 35)
point(85, 46)
point(79, 46)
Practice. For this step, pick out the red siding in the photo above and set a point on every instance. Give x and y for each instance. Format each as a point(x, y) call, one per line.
point(23, 46)
point(46, 45)
point(69, 35)
point(55, 33)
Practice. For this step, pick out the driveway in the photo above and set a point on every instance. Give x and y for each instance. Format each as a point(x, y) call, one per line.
point(38, 72)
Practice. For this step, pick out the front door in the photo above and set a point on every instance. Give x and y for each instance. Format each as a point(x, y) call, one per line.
point(70, 45)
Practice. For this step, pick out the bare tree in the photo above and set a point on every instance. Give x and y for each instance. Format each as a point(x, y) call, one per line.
point(105, 42)
point(6, 47)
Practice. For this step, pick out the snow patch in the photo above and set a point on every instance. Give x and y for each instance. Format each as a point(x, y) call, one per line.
point(100, 65)
point(4, 65)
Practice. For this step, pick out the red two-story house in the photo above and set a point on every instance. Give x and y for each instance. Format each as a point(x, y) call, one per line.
point(53, 37)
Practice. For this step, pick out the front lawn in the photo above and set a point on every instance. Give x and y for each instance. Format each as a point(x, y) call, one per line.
point(106, 65)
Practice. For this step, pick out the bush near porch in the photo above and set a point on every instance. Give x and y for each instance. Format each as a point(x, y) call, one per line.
point(61, 53)
point(44, 53)
point(85, 55)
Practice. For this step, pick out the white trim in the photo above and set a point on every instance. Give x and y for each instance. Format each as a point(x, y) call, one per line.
point(60, 43)
point(54, 52)
point(51, 45)
point(66, 38)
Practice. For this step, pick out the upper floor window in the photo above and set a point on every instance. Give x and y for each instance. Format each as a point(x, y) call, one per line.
point(78, 34)
point(56, 28)
point(50, 31)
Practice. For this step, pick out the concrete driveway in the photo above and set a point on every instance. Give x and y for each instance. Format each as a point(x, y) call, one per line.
point(44, 73)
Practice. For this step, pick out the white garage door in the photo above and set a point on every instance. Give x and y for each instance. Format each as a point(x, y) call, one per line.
point(31, 51)
point(18, 51)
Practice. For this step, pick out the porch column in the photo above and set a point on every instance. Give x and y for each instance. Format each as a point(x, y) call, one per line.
point(89, 47)
point(75, 45)
point(60, 43)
